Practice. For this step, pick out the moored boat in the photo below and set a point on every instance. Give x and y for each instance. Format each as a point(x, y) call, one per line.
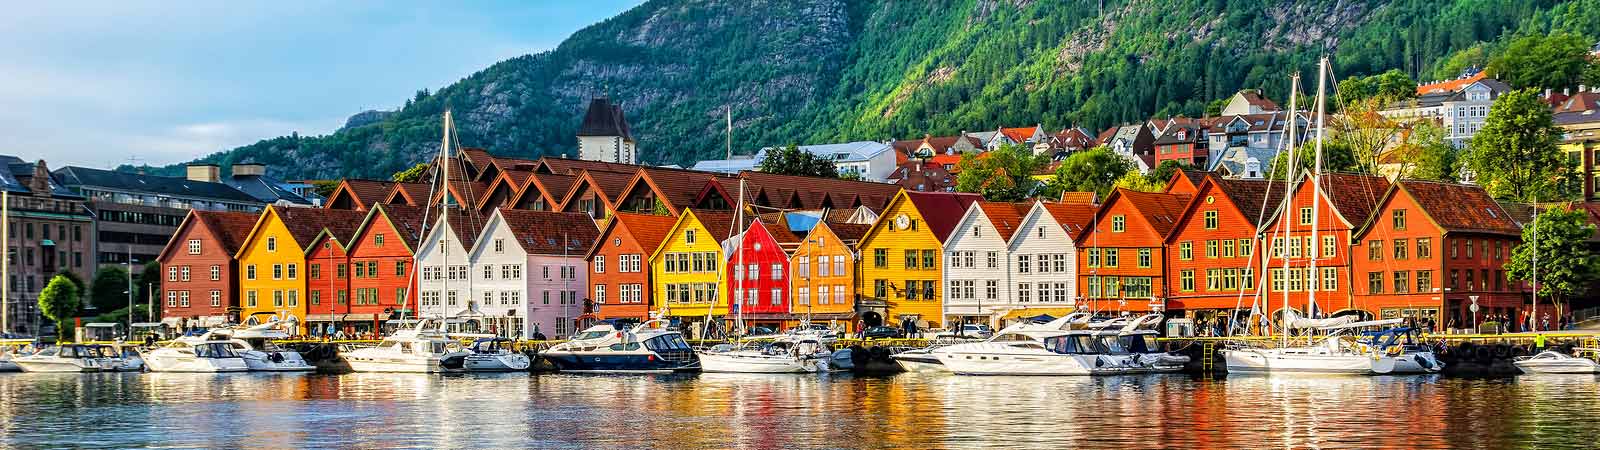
point(254, 344)
point(419, 349)
point(794, 354)
point(650, 347)
point(495, 355)
point(68, 358)
point(1554, 362)
point(195, 354)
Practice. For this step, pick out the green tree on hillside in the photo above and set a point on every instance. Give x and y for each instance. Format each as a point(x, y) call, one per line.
point(413, 175)
point(1567, 266)
point(790, 160)
point(1094, 170)
point(1515, 154)
point(1556, 61)
point(60, 302)
point(1429, 155)
point(1387, 87)
point(1002, 175)
point(1336, 157)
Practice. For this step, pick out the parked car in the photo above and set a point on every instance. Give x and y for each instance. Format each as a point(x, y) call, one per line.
point(884, 333)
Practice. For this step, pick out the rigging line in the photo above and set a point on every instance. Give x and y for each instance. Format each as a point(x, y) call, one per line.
point(1255, 238)
point(1372, 200)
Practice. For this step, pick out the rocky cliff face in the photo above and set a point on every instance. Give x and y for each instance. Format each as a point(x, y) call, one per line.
point(795, 71)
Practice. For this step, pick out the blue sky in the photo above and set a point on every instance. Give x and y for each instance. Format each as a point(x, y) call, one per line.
point(91, 83)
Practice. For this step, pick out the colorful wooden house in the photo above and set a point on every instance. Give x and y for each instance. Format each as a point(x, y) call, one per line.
point(686, 270)
point(358, 194)
point(1343, 203)
point(1431, 250)
point(900, 275)
point(1043, 259)
point(382, 275)
point(822, 274)
point(328, 285)
point(977, 264)
point(1122, 261)
point(444, 284)
point(1211, 255)
point(759, 280)
point(619, 260)
point(273, 255)
point(528, 271)
point(201, 283)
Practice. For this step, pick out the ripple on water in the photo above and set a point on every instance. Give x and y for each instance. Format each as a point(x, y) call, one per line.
point(785, 411)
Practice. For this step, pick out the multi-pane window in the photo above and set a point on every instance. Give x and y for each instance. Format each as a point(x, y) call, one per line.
point(1329, 246)
point(194, 246)
point(1024, 292)
point(838, 265)
point(1118, 223)
point(1375, 282)
point(1211, 220)
point(1399, 216)
point(880, 259)
point(599, 263)
point(216, 272)
point(1025, 263)
point(1111, 257)
point(1375, 250)
point(1305, 216)
point(1186, 280)
point(911, 259)
point(1401, 248)
point(929, 258)
point(1144, 258)
point(1402, 282)
point(1211, 248)
point(1424, 281)
point(216, 298)
point(1186, 250)
point(1244, 248)
point(1330, 278)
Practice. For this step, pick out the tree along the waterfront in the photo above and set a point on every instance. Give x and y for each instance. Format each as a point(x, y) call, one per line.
point(1566, 266)
point(1516, 155)
point(109, 291)
point(60, 302)
point(790, 160)
point(1093, 170)
point(1002, 175)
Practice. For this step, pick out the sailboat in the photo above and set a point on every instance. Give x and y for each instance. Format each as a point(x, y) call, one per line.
point(1328, 350)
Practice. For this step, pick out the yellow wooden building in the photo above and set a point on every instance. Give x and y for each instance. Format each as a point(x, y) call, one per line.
point(272, 278)
point(899, 270)
point(823, 275)
point(686, 269)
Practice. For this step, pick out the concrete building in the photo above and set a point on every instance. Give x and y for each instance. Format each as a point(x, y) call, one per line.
point(50, 230)
point(136, 214)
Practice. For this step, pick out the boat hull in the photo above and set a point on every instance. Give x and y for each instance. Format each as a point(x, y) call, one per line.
point(65, 366)
point(920, 362)
point(510, 362)
point(618, 362)
point(1574, 366)
point(158, 363)
point(259, 361)
point(962, 363)
point(736, 362)
point(1269, 361)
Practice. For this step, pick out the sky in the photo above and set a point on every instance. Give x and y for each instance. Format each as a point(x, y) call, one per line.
point(94, 83)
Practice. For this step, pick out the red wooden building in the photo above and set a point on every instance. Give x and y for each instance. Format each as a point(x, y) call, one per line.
point(619, 265)
point(1183, 142)
point(327, 283)
point(1344, 203)
point(200, 284)
point(1210, 255)
point(1431, 249)
point(758, 278)
point(382, 283)
point(1122, 256)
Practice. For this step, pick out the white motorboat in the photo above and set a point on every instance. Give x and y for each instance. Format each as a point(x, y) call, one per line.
point(924, 360)
point(5, 362)
point(1550, 361)
point(919, 360)
point(1138, 339)
point(69, 358)
point(419, 349)
point(495, 355)
point(1067, 353)
point(794, 354)
point(1333, 353)
point(649, 347)
point(195, 354)
point(254, 344)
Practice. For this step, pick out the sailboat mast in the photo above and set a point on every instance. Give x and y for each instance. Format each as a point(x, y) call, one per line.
point(1533, 314)
point(1316, 186)
point(5, 264)
point(444, 207)
point(1290, 174)
point(738, 318)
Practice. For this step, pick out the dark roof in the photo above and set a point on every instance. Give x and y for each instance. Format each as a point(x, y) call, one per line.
point(565, 166)
point(941, 210)
point(1254, 97)
point(604, 119)
point(812, 190)
point(677, 187)
point(364, 193)
point(780, 233)
point(414, 194)
point(1073, 217)
point(76, 177)
point(1251, 196)
point(848, 232)
point(719, 223)
point(1461, 207)
point(407, 220)
point(550, 232)
point(1191, 134)
point(266, 189)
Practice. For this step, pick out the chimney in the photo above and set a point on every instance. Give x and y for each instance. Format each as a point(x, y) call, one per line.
point(206, 172)
point(249, 169)
point(40, 183)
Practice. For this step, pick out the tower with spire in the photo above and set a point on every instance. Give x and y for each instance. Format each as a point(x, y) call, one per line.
point(604, 135)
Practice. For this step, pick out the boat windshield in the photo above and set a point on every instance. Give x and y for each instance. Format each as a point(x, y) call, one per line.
point(617, 347)
point(1112, 344)
point(1074, 344)
point(666, 342)
point(52, 351)
point(215, 350)
point(594, 334)
point(106, 351)
point(445, 347)
point(1140, 343)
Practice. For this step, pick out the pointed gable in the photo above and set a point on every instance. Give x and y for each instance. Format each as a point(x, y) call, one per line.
point(647, 230)
point(549, 232)
point(1004, 217)
point(230, 229)
point(358, 194)
point(1453, 207)
point(1073, 218)
point(941, 210)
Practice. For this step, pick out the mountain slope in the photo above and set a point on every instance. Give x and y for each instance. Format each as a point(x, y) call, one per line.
point(832, 70)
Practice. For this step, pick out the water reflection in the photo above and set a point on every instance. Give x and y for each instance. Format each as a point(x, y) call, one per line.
point(786, 411)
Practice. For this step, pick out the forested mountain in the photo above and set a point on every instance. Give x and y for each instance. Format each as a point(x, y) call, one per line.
point(833, 70)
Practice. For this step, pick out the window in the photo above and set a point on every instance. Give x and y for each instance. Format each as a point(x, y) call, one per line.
point(272, 244)
point(216, 298)
point(1469, 249)
point(500, 245)
point(1211, 220)
point(991, 289)
point(250, 299)
point(314, 271)
point(838, 265)
point(1044, 263)
point(880, 288)
point(688, 236)
point(315, 297)
point(1402, 282)
point(1330, 278)
point(1455, 248)
point(929, 258)
point(1094, 257)
point(1024, 292)
point(804, 267)
point(172, 299)
point(1118, 223)
point(1375, 250)
point(911, 259)
point(1329, 246)
point(1399, 219)
point(1424, 281)
point(1245, 248)
point(1144, 258)
point(1025, 262)
point(488, 271)
point(777, 271)
point(1305, 216)
point(194, 246)
point(599, 263)
point(400, 268)
point(172, 274)
point(880, 259)
point(1060, 260)
point(183, 273)
point(277, 271)
point(216, 272)
point(294, 270)
point(911, 290)
point(1374, 282)
point(341, 271)
point(1277, 247)
point(377, 240)
point(1211, 248)
point(277, 299)
point(1111, 257)
point(1227, 248)
point(1186, 250)
point(1186, 280)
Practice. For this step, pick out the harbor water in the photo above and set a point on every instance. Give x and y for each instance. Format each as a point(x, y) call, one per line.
point(793, 411)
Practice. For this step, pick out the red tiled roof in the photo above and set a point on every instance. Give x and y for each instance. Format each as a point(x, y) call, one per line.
point(1580, 102)
point(1073, 217)
point(1018, 134)
point(305, 223)
point(781, 233)
point(941, 210)
point(1160, 210)
point(812, 190)
point(413, 194)
point(230, 228)
point(1461, 207)
point(406, 220)
point(719, 223)
point(610, 184)
point(363, 193)
point(1255, 98)
point(1251, 196)
point(565, 166)
point(1452, 85)
point(550, 232)
point(1004, 217)
point(848, 232)
point(1354, 196)
point(1081, 198)
point(648, 230)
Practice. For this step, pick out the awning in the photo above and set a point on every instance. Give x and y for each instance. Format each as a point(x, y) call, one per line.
point(1036, 312)
point(171, 322)
point(341, 317)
